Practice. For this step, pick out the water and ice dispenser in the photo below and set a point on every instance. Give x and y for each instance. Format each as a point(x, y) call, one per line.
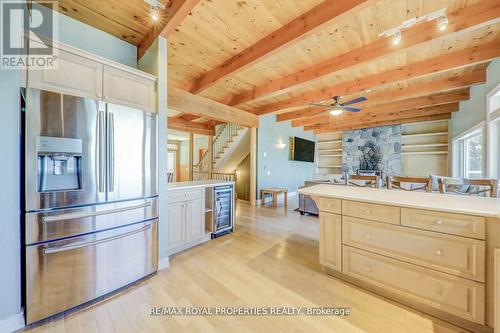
point(59, 164)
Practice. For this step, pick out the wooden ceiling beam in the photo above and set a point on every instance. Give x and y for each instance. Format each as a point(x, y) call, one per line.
point(474, 55)
point(297, 29)
point(171, 18)
point(408, 104)
point(417, 89)
point(190, 126)
point(183, 101)
point(337, 122)
point(387, 122)
point(469, 18)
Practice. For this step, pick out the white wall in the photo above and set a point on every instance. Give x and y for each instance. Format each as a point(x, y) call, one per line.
point(73, 33)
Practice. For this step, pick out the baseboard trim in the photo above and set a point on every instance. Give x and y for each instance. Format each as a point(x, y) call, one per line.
point(12, 323)
point(163, 264)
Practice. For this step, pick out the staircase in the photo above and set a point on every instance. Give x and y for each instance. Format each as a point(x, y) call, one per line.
point(225, 154)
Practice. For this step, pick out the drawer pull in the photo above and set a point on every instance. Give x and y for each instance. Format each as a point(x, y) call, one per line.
point(368, 268)
point(439, 252)
point(439, 291)
point(368, 236)
point(439, 222)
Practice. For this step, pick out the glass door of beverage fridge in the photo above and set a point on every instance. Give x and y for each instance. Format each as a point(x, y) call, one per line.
point(223, 208)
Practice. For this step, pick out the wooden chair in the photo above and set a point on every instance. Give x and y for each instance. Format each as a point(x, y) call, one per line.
point(370, 181)
point(396, 182)
point(479, 186)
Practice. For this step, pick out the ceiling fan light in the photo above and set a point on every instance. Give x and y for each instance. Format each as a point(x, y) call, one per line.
point(336, 112)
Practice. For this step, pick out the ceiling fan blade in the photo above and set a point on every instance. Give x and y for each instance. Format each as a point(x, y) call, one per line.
point(319, 104)
point(356, 100)
point(350, 109)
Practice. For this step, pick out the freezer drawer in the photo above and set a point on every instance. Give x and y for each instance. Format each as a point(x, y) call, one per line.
point(63, 274)
point(48, 226)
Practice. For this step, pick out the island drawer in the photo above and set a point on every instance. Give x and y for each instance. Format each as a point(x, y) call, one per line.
point(461, 297)
point(330, 205)
point(369, 211)
point(185, 194)
point(455, 255)
point(449, 223)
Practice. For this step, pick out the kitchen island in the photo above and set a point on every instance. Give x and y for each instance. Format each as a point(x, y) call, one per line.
point(197, 212)
point(432, 251)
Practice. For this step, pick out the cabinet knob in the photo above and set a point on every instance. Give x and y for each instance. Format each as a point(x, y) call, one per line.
point(368, 268)
point(368, 236)
point(106, 97)
point(337, 220)
point(439, 222)
point(439, 291)
point(439, 252)
point(367, 211)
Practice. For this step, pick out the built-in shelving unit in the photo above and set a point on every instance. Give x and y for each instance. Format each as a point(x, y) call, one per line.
point(424, 148)
point(329, 154)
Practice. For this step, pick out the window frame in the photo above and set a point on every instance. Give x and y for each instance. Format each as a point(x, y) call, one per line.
point(492, 119)
point(459, 162)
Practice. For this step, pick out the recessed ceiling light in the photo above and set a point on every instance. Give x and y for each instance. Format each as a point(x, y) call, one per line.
point(154, 15)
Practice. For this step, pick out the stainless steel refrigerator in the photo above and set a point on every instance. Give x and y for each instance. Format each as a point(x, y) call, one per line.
point(90, 223)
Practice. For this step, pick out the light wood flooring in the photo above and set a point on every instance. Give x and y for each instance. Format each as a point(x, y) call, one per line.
point(270, 260)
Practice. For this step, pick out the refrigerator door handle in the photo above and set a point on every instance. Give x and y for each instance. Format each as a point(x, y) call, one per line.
point(101, 151)
point(74, 216)
point(111, 152)
point(105, 240)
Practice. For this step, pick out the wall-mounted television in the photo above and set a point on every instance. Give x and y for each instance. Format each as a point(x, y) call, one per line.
point(301, 149)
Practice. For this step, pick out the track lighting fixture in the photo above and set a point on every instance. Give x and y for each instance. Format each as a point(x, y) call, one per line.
point(442, 22)
point(397, 38)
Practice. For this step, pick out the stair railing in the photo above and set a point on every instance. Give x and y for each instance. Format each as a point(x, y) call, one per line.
point(222, 139)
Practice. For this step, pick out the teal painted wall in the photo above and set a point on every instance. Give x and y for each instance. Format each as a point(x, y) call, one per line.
point(78, 35)
point(473, 111)
point(272, 160)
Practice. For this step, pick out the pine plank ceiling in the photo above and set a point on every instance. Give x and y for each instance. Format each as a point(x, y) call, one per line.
point(209, 49)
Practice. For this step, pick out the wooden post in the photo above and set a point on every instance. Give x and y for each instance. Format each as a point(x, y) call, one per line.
point(191, 148)
point(253, 166)
point(210, 155)
point(496, 291)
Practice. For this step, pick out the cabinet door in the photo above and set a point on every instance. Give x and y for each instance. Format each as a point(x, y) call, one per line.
point(124, 88)
point(330, 241)
point(176, 224)
point(75, 75)
point(195, 219)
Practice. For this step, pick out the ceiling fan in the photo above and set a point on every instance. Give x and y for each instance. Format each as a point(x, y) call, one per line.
point(336, 108)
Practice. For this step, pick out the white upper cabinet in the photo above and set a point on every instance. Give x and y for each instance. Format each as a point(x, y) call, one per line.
point(82, 74)
point(75, 75)
point(121, 87)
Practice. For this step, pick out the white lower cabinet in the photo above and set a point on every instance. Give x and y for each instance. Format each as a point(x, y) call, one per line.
point(186, 220)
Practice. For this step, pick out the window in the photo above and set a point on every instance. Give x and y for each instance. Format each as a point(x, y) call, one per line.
point(493, 133)
point(469, 154)
point(473, 155)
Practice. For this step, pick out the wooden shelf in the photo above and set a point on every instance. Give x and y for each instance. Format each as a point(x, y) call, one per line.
point(423, 134)
point(437, 152)
point(329, 155)
point(330, 141)
point(426, 145)
point(323, 150)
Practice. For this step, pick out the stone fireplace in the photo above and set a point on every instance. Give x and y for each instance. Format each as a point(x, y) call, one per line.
point(372, 149)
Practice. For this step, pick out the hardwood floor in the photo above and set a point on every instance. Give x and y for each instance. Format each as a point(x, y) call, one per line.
point(270, 260)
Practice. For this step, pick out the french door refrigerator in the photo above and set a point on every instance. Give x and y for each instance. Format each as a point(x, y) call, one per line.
point(90, 223)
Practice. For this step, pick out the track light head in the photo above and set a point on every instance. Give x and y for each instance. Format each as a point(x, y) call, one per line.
point(442, 22)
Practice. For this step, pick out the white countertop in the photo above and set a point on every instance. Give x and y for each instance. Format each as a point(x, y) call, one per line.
point(470, 205)
point(198, 183)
